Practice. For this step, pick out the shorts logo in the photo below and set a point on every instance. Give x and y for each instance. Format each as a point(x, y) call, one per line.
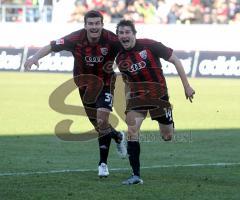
point(104, 51)
point(94, 59)
point(59, 41)
point(143, 54)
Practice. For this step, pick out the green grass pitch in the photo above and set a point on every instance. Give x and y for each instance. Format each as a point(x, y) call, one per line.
point(201, 163)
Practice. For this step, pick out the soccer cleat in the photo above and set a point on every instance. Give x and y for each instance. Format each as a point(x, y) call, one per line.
point(133, 180)
point(103, 170)
point(121, 146)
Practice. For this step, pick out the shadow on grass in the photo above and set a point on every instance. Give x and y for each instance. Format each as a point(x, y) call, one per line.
point(145, 136)
point(43, 152)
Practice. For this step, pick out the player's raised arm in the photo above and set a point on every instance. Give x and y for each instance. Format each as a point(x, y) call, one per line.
point(189, 91)
point(38, 55)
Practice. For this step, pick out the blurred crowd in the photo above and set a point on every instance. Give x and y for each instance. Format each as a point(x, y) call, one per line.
point(163, 11)
point(140, 11)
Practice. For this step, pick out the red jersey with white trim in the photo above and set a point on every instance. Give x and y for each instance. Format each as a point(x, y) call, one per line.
point(142, 68)
point(96, 60)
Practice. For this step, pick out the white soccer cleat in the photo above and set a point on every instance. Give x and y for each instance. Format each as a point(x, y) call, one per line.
point(103, 170)
point(121, 147)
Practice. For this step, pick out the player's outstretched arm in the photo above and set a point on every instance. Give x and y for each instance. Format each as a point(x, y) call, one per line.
point(38, 55)
point(189, 91)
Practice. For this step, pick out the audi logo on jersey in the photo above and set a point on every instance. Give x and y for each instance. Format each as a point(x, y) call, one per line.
point(137, 66)
point(94, 59)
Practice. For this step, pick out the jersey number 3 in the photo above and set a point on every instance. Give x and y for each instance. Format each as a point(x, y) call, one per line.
point(108, 99)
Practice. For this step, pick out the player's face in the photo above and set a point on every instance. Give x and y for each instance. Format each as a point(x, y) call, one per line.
point(94, 27)
point(126, 37)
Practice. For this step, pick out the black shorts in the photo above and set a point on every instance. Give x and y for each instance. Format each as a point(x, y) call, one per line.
point(102, 99)
point(159, 109)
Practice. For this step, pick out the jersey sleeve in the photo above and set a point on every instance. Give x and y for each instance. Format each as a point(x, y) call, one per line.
point(160, 50)
point(67, 42)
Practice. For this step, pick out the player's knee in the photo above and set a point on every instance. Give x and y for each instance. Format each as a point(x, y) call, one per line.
point(133, 134)
point(166, 132)
point(167, 136)
point(132, 130)
point(102, 124)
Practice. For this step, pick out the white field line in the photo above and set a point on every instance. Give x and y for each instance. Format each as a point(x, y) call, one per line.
point(116, 169)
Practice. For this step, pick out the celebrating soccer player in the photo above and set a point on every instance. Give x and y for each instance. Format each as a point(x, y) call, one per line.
point(93, 49)
point(139, 63)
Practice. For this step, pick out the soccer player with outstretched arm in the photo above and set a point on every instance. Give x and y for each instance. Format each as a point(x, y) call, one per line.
point(139, 63)
point(93, 49)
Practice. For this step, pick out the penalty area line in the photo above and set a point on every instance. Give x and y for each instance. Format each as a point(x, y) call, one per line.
point(117, 169)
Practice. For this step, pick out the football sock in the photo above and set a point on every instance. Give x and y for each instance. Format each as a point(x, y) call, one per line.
point(104, 142)
point(133, 149)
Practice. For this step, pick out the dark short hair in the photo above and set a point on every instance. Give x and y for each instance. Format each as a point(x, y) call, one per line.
point(126, 23)
point(92, 14)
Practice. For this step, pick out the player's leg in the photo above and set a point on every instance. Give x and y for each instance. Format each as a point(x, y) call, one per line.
point(104, 104)
point(104, 131)
point(105, 136)
point(134, 121)
point(166, 124)
point(163, 115)
point(90, 108)
point(166, 131)
point(91, 112)
point(104, 140)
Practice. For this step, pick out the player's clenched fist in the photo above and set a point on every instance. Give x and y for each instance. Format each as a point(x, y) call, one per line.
point(38, 55)
point(29, 62)
point(189, 93)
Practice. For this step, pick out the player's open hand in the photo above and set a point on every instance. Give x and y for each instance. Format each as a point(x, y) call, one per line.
point(29, 62)
point(189, 93)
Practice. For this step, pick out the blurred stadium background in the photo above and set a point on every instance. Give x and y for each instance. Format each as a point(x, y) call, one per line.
point(203, 160)
point(150, 11)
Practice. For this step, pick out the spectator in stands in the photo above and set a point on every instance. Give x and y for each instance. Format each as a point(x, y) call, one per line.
point(79, 11)
point(117, 10)
point(173, 15)
point(207, 16)
point(47, 10)
point(140, 11)
point(32, 10)
point(163, 10)
point(132, 14)
point(222, 11)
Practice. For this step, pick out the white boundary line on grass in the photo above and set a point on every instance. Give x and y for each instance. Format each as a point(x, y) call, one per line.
point(115, 169)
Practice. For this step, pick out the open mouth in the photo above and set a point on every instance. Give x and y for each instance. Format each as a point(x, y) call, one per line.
point(94, 31)
point(125, 41)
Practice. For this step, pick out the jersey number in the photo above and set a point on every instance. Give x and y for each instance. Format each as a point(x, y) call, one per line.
point(108, 98)
point(168, 113)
